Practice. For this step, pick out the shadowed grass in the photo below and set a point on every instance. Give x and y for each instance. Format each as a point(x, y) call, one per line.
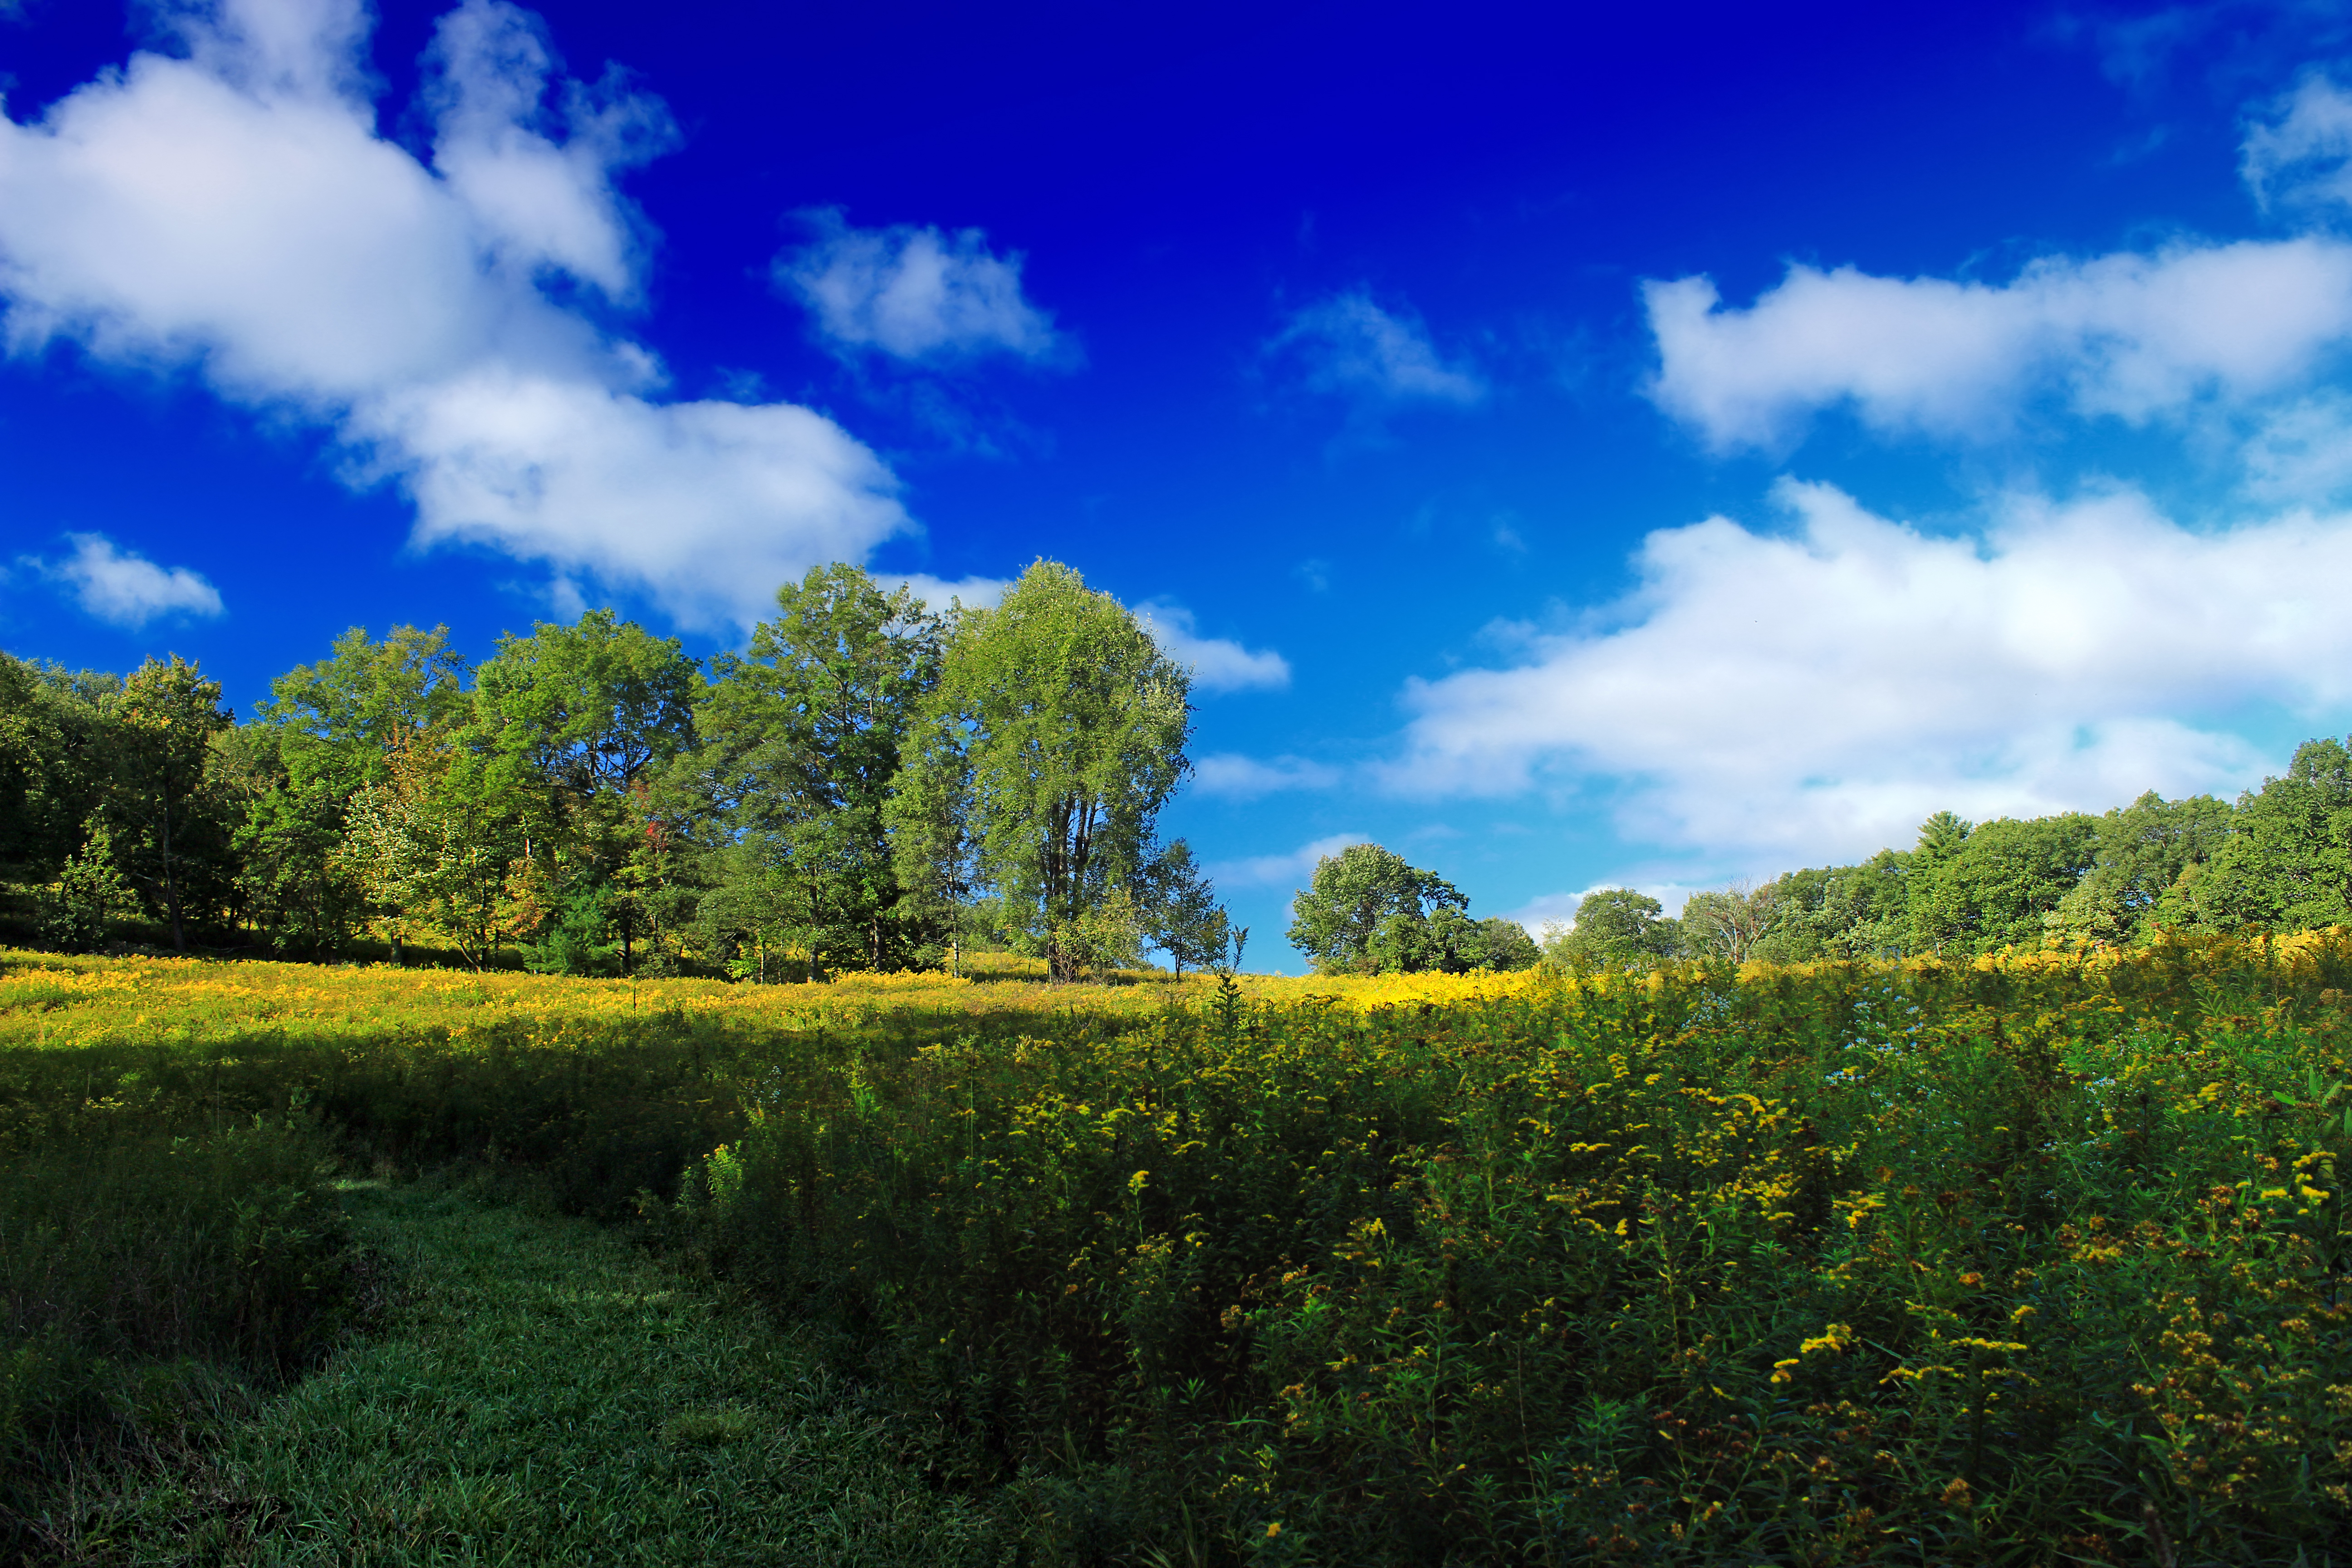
point(543, 1394)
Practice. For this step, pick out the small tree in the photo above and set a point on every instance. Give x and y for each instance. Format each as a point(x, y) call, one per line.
point(1183, 918)
point(1355, 893)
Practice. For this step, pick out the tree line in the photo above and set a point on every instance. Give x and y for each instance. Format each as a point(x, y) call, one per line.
point(869, 785)
point(2279, 858)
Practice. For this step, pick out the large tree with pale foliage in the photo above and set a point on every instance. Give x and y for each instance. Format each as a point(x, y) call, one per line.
point(1059, 727)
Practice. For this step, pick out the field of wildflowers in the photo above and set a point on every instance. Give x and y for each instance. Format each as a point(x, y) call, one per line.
point(2037, 1259)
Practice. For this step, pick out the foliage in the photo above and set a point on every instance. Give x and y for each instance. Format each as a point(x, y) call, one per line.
point(1183, 917)
point(1615, 928)
point(1732, 925)
point(167, 834)
point(145, 1277)
point(802, 740)
point(1354, 894)
point(2027, 1258)
point(1058, 730)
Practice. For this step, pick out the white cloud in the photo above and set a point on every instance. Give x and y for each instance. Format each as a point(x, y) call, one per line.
point(1350, 346)
point(236, 211)
point(2302, 155)
point(939, 592)
point(1559, 910)
point(1273, 870)
point(1818, 693)
point(2303, 452)
point(2126, 335)
point(915, 293)
point(127, 590)
point(1218, 664)
point(1237, 777)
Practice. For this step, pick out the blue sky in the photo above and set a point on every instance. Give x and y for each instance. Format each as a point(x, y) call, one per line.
point(1575, 444)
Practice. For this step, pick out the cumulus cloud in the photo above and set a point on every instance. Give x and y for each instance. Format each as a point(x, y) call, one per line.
point(1273, 870)
point(1820, 691)
point(2303, 153)
point(1237, 777)
point(2302, 452)
point(939, 592)
point(1218, 664)
point(235, 212)
point(126, 589)
point(1351, 347)
point(2127, 335)
point(915, 293)
point(1549, 911)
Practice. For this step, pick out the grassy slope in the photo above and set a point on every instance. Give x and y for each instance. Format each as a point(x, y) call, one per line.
point(545, 1395)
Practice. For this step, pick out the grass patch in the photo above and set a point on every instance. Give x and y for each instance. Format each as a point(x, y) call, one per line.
point(544, 1395)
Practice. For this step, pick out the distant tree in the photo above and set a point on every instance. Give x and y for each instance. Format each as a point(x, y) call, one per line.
point(54, 754)
point(1449, 941)
point(1730, 924)
point(1336, 919)
point(329, 733)
point(1182, 915)
point(168, 836)
point(803, 737)
point(1064, 725)
point(1941, 836)
point(934, 850)
point(2144, 852)
point(436, 847)
point(1994, 889)
point(2286, 862)
point(1615, 928)
point(1505, 946)
point(571, 729)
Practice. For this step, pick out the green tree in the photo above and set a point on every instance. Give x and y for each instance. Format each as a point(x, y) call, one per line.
point(1615, 928)
point(328, 735)
point(1995, 889)
point(54, 755)
point(571, 729)
point(1844, 912)
point(1730, 924)
point(2286, 863)
point(1449, 941)
point(802, 739)
point(434, 848)
point(1065, 725)
point(2145, 851)
point(1353, 895)
point(168, 836)
point(1183, 918)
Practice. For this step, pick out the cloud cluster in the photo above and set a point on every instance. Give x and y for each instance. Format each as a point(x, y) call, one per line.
point(1237, 777)
point(1273, 870)
point(2126, 335)
point(123, 589)
point(1821, 690)
point(1351, 347)
point(2304, 156)
point(237, 212)
point(915, 293)
point(1218, 664)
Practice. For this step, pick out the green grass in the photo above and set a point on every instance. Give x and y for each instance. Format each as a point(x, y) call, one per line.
point(542, 1393)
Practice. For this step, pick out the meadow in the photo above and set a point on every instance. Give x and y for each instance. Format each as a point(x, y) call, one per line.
point(2034, 1258)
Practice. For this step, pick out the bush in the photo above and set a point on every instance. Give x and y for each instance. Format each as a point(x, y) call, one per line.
point(146, 1279)
point(2037, 1258)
